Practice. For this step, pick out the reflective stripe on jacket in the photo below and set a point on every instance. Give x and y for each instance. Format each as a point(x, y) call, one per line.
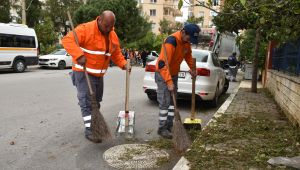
point(175, 57)
point(93, 47)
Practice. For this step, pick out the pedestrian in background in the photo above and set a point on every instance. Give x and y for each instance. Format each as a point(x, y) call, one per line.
point(98, 43)
point(233, 62)
point(144, 56)
point(177, 47)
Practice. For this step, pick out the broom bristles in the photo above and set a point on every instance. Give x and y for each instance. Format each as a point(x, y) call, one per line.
point(181, 140)
point(100, 130)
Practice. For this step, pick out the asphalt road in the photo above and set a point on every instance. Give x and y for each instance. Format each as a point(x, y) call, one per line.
point(41, 125)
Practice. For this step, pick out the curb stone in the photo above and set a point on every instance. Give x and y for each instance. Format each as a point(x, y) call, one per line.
point(182, 164)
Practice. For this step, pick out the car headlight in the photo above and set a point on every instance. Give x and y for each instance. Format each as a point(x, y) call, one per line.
point(52, 59)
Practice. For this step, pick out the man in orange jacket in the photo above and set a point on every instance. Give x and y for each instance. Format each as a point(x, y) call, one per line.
point(178, 47)
point(98, 43)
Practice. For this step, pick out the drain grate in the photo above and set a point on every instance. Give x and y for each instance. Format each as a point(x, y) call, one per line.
point(134, 156)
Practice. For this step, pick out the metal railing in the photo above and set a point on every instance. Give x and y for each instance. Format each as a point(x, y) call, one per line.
point(286, 58)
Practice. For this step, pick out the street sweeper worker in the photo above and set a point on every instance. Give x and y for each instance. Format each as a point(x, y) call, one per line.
point(178, 47)
point(98, 44)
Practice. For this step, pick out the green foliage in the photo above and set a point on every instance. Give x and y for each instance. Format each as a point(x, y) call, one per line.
point(33, 12)
point(194, 20)
point(46, 36)
point(130, 25)
point(246, 47)
point(180, 4)
point(4, 11)
point(149, 42)
point(165, 26)
point(168, 27)
point(277, 20)
point(57, 11)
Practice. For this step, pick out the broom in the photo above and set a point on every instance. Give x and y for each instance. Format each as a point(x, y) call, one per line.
point(181, 140)
point(100, 130)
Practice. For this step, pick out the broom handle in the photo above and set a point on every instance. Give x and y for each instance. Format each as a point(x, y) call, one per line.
point(177, 116)
point(77, 42)
point(127, 86)
point(193, 90)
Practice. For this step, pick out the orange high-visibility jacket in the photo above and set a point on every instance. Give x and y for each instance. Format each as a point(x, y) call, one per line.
point(93, 46)
point(175, 56)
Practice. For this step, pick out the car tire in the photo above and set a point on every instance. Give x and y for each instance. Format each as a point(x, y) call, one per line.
point(152, 97)
point(19, 66)
point(215, 100)
point(226, 86)
point(61, 65)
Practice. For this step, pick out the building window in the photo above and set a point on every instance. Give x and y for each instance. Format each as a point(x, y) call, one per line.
point(190, 14)
point(216, 2)
point(153, 1)
point(201, 14)
point(152, 12)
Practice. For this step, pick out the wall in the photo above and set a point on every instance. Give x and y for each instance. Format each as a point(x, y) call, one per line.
point(286, 91)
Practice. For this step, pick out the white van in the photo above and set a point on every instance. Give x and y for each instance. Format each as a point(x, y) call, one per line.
point(18, 47)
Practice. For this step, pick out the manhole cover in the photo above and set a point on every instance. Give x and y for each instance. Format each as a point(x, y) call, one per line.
point(134, 156)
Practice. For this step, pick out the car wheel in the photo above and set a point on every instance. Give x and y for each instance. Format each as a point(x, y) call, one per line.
point(61, 65)
point(214, 102)
point(152, 97)
point(19, 66)
point(226, 86)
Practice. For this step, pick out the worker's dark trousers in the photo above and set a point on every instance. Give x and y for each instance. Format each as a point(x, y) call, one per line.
point(164, 98)
point(83, 94)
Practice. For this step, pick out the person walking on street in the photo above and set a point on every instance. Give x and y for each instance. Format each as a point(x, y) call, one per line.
point(178, 47)
point(232, 62)
point(98, 43)
point(144, 56)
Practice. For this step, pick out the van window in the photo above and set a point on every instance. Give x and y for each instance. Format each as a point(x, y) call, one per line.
point(9, 40)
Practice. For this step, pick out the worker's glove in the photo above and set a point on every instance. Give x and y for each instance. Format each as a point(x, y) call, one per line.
point(125, 67)
point(81, 60)
point(193, 73)
point(171, 87)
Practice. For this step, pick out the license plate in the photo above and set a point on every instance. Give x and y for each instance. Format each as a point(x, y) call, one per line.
point(181, 74)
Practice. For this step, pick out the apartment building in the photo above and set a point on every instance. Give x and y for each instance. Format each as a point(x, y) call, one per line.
point(207, 14)
point(156, 10)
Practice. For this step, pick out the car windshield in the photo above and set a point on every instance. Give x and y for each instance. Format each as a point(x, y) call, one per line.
point(201, 56)
point(59, 52)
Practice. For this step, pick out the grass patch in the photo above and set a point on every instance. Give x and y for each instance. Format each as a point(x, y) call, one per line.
point(243, 142)
point(161, 143)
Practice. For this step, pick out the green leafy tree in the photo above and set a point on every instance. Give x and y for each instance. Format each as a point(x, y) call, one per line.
point(165, 26)
point(195, 20)
point(130, 25)
point(57, 11)
point(33, 12)
point(46, 35)
point(246, 47)
point(4, 11)
point(271, 20)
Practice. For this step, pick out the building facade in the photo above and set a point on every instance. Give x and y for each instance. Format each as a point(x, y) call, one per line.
point(207, 14)
point(157, 10)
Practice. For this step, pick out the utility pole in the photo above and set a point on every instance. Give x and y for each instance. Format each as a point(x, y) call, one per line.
point(23, 12)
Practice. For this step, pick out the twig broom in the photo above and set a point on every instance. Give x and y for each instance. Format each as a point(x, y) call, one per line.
point(100, 130)
point(181, 140)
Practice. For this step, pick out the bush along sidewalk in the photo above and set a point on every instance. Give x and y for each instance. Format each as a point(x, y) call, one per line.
point(251, 131)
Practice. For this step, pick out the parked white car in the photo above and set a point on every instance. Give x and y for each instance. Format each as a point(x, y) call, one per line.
point(153, 55)
point(211, 81)
point(58, 59)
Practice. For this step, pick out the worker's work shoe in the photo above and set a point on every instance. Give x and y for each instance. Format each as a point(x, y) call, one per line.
point(89, 136)
point(165, 133)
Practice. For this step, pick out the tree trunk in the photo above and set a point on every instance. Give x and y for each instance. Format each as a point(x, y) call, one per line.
point(255, 62)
